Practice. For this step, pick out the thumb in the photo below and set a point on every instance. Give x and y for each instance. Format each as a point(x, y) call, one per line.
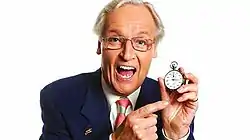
point(164, 92)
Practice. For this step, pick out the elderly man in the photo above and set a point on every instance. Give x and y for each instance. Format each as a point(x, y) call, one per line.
point(119, 101)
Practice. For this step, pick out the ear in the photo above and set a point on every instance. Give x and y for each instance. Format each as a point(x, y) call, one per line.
point(155, 54)
point(154, 51)
point(99, 51)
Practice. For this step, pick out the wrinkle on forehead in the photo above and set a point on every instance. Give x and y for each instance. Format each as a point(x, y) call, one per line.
point(129, 30)
point(130, 20)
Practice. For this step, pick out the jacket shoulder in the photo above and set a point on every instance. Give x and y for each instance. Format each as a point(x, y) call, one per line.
point(64, 89)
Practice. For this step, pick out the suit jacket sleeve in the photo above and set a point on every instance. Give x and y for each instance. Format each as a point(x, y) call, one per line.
point(54, 127)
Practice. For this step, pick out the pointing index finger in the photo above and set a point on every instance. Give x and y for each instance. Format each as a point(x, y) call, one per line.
point(150, 109)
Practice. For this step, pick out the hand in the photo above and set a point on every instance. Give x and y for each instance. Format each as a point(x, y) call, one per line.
point(183, 104)
point(140, 124)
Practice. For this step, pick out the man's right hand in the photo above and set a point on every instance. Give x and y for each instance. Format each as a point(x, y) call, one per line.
point(140, 124)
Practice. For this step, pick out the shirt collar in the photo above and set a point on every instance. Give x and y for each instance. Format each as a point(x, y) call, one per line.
point(112, 97)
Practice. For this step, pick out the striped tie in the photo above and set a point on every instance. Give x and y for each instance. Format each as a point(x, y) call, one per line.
point(122, 106)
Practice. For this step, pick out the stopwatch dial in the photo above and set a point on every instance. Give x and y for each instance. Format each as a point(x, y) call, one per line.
point(173, 80)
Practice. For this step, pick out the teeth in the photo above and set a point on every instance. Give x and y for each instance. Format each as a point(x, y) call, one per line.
point(126, 76)
point(127, 67)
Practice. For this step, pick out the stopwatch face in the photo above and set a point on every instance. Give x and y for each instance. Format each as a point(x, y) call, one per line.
point(173, 79)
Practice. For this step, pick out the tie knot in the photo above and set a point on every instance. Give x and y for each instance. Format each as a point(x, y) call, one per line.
point(123, 104)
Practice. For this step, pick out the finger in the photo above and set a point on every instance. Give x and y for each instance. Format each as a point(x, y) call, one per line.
point(140, 134)
point(152, 129)
point(191, 78)
point(164, 93)
point(181, 70)
point(188, 88)
point(152, 137)
point(149, 109)
point(152, 133)
point(145, 123)
point(192, 96)
point(153, 115)
point(146, 135)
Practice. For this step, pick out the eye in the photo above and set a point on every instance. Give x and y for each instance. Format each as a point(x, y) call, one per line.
point(141, 42)
point(113, 39)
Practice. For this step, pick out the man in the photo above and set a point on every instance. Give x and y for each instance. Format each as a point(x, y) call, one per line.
point(118, 101)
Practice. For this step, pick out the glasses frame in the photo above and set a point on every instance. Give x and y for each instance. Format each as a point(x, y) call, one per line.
point(124, 40)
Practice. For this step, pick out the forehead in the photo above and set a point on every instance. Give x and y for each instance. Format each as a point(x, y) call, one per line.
point(130, 20)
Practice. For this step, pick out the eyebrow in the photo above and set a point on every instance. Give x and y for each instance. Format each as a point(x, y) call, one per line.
point(143, 32)
point(120, 34)
point(114, 31)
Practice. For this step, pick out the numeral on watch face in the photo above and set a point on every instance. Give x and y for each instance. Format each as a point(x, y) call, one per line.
point(173, 80)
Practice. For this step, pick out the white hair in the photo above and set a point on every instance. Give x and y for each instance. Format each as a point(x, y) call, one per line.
point(114, 4)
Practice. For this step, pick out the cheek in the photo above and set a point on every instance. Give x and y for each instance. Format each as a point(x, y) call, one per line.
point(108, 59)
point(145, 62)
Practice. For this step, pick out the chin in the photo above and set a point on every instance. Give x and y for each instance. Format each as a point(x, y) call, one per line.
point(125, 88)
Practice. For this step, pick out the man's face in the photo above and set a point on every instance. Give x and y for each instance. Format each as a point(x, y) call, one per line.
point(125, 69)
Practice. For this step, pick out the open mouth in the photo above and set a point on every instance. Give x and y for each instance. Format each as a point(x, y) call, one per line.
point(126, 72)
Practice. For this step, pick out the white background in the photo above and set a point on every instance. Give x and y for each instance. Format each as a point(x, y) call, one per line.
point(42, 41)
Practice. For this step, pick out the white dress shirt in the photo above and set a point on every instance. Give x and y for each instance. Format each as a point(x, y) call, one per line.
point(112, 98)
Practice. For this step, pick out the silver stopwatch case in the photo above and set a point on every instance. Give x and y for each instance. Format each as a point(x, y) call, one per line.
point(174, 79)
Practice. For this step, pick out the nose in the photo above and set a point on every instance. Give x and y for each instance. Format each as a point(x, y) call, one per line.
point(128, 52)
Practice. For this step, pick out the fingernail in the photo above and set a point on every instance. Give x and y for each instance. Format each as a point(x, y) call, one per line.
point(155, 115)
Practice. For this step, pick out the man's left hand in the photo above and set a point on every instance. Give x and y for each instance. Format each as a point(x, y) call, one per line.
point(183, 104)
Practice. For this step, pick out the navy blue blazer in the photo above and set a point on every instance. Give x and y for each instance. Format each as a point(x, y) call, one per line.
point(75, 108)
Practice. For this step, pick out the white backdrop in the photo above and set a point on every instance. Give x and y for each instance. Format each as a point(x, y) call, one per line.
point(42, 41)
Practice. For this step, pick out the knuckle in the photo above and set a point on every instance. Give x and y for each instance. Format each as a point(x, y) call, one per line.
point(141, 111)
point(155, 136)
point(197, 81)
point(195, 87)
point(129, 119)
point(135, 127)
point(185, 95)
point(154, 129)
point(154, 120)
point(194, 94)
point(144, 110)
point(139, 135)
point(147, 108)
point(184, 87)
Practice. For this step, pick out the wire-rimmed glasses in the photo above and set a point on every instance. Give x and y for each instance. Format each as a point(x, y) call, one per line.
point(117, 42)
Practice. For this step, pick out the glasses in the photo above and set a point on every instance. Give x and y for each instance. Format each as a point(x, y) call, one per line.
point(117, 42)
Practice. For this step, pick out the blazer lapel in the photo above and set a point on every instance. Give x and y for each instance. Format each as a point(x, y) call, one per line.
point(96, 108)
point(150, 93)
